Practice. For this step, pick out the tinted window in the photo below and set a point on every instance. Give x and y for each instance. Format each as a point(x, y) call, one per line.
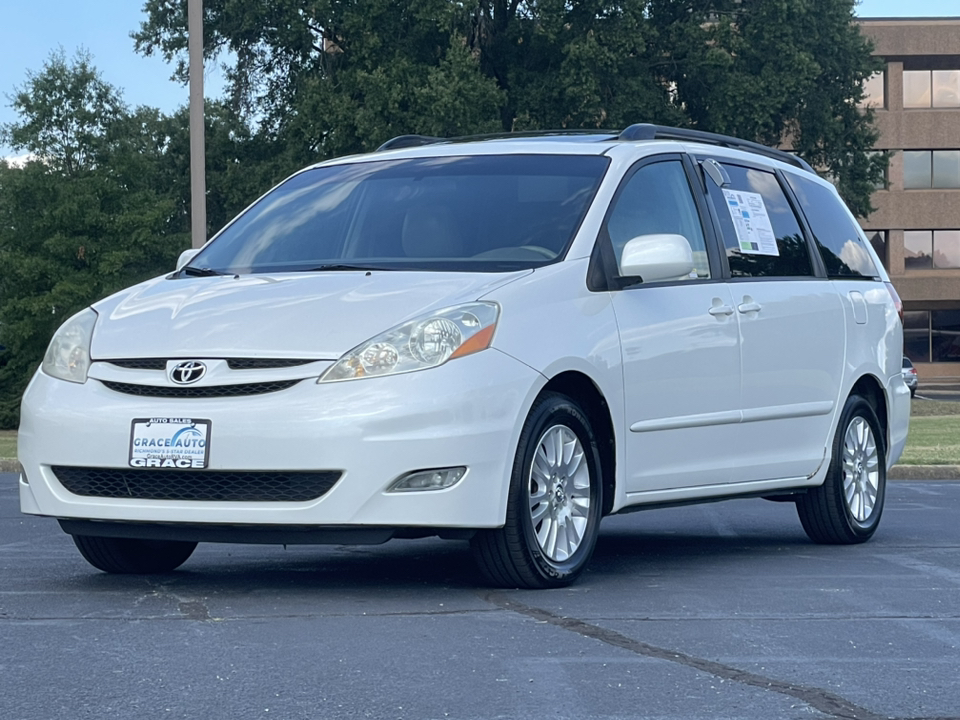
point(486, 213)
point(838, 237)
point(657, 199)
point(752, 254)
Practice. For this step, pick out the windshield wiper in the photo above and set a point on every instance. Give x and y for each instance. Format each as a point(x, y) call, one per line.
point(347, 266)
point(199, 272)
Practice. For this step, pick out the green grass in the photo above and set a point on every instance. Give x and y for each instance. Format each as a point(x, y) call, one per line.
point(8, 443)
point(930, 408)
point(933, 440)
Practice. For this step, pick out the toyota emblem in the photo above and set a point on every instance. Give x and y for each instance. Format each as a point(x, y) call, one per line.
point(188, 372)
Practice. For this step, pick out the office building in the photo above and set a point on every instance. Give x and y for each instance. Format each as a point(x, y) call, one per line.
point(916, 225)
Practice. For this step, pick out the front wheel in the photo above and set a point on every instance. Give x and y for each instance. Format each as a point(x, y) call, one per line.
point(554, 503)
point(846, 508)
point(133, 556)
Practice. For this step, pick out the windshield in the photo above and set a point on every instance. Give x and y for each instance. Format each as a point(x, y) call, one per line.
point(488, 213)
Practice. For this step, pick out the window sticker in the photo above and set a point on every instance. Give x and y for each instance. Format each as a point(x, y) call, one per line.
point(754, 232)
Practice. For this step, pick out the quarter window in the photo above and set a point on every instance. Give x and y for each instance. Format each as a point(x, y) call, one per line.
point(837, 236)
point(786, 254)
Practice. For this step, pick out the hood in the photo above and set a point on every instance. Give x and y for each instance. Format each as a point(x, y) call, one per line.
point(317, 315)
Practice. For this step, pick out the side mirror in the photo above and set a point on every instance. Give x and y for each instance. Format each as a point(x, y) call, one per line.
point(657, 257)
point(186, 256)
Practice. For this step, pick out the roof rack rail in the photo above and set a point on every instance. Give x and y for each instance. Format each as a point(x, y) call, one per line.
point(648, 131)
point(405, 141)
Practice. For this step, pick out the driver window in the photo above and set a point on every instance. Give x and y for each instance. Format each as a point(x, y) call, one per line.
point(657, 199)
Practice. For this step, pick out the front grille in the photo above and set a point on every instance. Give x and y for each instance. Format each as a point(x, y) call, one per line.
point(209, 485)
point(264, 363)
point(210, 391)
point(232, 363)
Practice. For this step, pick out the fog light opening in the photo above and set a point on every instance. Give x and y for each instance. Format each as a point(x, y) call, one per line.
point(23, 474)
point(435, 479)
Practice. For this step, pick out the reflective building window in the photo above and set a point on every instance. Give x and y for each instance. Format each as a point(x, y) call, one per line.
point(945, 335)
point(946, 248)
point(946, 168)
point(916, 335)
point(873, 91)
point(917, 249)
point(917, 169)
point(878, 239)
point(930, 88)
point(916, 88)
point(931, 169)
point(946, 88)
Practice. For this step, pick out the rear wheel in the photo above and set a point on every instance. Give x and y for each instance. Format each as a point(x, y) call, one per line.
point(133, 556)
point(846, 509)
point(554, 503)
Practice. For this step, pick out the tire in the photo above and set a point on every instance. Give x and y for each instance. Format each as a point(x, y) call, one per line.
point(132, 556)
point(554, 503)
point(913, 392)
point(846, 509)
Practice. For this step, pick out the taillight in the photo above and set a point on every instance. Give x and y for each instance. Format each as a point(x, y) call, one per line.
point(896, 299)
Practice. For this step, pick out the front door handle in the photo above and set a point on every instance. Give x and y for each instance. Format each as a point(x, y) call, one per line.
point(720, 310)
point(748, 305)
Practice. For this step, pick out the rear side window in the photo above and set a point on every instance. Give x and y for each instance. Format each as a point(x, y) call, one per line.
point(761, 234)
point(838, 237)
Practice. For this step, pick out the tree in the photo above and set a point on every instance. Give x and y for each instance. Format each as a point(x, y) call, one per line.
point(63, 112)
point(84, 218)
point(330, 77)
point(777, 71)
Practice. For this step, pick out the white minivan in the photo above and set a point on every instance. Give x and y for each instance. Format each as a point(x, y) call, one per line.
point(501, 340)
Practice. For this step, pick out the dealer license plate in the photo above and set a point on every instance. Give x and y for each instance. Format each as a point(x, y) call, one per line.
point(182, 443)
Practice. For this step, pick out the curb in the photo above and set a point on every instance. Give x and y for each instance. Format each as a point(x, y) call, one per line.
point(922, 473)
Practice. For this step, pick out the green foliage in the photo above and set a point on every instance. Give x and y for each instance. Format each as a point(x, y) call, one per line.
point(775, 71)
point(104, 201)
point(84, 218)
point(330, 77)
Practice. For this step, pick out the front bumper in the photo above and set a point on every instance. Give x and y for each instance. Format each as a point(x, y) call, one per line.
point(465, 413)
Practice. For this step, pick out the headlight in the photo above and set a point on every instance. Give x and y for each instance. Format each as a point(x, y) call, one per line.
point(68, 356)
point(423, 343)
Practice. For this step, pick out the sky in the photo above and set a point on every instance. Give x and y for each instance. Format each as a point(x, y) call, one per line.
point(32, 29)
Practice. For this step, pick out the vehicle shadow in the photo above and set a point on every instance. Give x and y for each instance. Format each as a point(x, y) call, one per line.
point(422, 567)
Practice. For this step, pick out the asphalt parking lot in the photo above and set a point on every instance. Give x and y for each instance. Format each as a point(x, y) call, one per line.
point(711, 611)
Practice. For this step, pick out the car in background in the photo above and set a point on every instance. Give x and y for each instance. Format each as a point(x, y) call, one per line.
point(910, 375)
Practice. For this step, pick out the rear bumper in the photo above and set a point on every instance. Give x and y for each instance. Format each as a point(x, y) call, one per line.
point(898, 420)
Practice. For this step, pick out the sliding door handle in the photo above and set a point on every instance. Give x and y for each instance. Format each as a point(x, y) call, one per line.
point(748, 305)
